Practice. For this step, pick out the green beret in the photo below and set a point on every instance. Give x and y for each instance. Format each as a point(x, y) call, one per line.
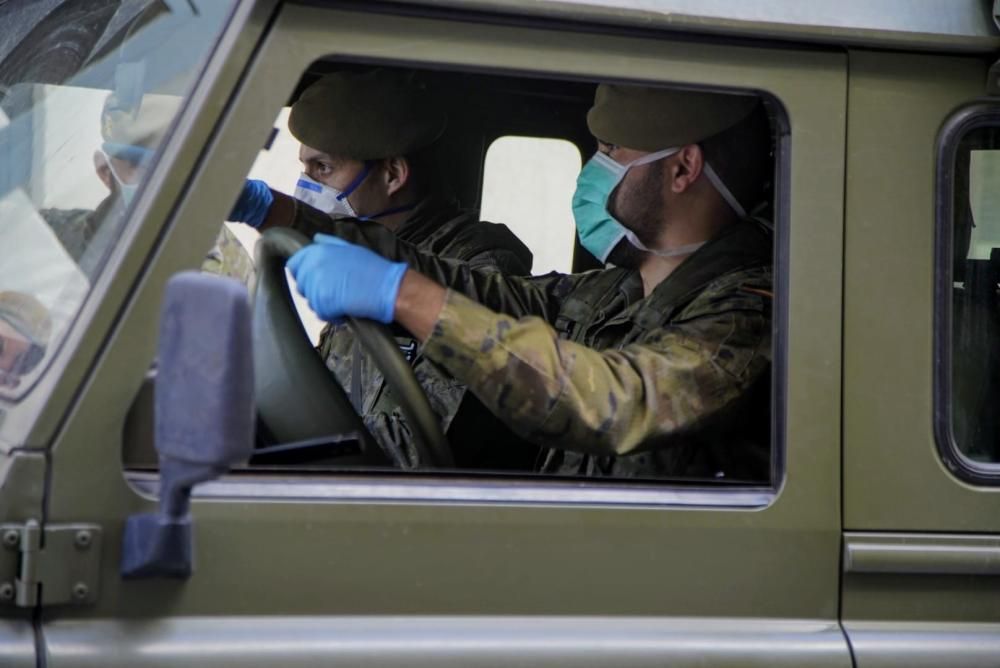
point(27, 315)
point(650, 119)
point(377, 114)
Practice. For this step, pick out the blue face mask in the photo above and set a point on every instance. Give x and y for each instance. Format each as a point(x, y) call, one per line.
point(599, 231)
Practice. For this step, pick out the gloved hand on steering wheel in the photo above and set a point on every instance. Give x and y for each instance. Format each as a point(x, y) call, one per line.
point(340, 279)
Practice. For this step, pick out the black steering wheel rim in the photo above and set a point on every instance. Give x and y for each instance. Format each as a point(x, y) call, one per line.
point(297, 396)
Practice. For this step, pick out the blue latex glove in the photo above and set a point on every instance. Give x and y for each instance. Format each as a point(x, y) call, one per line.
point(338, 279)
point(253, 204)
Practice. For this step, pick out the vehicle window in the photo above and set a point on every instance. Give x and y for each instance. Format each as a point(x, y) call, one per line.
point(970, 388)
point(528, 185)
point(428, 194)
point(74, 152)
point(276, 164)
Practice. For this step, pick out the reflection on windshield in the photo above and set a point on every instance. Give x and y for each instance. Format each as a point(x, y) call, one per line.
point(73, 156)
point(25, 328)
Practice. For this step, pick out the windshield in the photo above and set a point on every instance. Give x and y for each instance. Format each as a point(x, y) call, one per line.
point(80, 127)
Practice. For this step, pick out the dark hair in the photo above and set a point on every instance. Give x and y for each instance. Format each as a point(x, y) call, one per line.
point(742, 157)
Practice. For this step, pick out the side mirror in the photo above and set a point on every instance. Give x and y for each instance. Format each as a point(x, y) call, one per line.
point(204, 417)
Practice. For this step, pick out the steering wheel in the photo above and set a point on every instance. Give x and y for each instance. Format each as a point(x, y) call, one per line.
point(298, 398)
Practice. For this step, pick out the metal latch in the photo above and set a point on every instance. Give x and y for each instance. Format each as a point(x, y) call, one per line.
point(57, 565)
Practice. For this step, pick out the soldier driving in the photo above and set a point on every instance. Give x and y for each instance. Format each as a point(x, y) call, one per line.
point(657, 369)
point(369, 150)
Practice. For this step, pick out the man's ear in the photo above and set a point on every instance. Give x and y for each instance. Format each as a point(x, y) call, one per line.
point(687, 168)
point(396, 172)
point(103, 170)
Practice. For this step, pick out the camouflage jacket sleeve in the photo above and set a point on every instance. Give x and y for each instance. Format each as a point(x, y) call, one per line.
point(566, 395)
point(513, 295)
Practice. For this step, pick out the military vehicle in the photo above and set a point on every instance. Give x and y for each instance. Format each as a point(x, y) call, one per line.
point(874, 542)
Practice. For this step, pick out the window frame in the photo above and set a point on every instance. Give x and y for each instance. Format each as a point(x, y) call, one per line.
point(402, 557)
point(779, 117)
point(976, 115)
point(527, 488)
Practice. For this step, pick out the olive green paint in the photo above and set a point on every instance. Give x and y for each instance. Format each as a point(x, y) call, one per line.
point(893, 476)
point(315, 578)
point(275, 557)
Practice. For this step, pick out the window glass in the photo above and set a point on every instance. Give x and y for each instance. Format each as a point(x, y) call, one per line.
point(528, 185)
point(278, 165)
point(984, 198)
point(975, 326)
point(562, 403)
point(75, 148)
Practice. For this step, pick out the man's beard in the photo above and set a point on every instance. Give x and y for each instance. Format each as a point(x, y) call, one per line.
point(642, 213)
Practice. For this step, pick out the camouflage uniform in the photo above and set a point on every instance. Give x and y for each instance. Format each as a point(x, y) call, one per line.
point(438, 228)
point(228, 257)
point(674, 384)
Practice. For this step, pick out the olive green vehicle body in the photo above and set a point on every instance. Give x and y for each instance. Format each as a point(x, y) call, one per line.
point(866, 551)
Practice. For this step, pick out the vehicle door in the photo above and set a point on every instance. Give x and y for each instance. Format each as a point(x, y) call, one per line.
point(467, 570)
point(922, 527)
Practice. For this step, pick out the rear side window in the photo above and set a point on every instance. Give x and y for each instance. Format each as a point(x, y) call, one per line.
point(528, 185)
point(968, 308)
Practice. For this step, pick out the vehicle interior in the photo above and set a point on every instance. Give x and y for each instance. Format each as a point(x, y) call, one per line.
point(975, 383)
point(307, 423)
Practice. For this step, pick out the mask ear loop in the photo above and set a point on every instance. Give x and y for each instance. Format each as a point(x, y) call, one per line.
point(387, 212)
point(712, 177)
point(726, 194)
point(629, 234)
point(686, 249)
point(652, 157)
point(621, 170)
point(710, 173)
point(358, 180)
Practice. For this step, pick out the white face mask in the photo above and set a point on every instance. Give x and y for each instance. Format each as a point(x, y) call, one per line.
point(127, 190)
point(323, 197)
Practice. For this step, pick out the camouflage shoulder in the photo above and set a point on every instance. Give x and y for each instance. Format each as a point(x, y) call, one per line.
point(482, 239)
point(229, 258)
point(750, 289)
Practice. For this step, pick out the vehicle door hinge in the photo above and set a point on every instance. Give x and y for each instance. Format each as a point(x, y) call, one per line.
point(57, 565)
